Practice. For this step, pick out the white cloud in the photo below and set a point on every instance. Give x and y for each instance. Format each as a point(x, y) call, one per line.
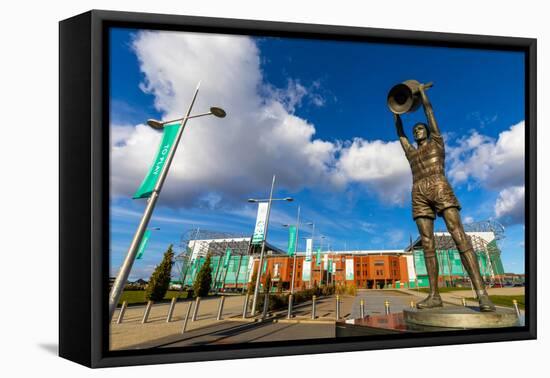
point(510, 205)
point(382, 166)
point(468, 219)
point(220, 161)
point(494, 164)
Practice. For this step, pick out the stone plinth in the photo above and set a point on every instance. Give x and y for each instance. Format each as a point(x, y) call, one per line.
point(461, 317)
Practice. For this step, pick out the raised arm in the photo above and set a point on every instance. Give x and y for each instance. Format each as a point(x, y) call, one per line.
point(401, 134)
point(432, 124)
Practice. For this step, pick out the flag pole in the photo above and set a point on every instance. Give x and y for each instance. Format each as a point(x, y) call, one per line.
point(124, 272)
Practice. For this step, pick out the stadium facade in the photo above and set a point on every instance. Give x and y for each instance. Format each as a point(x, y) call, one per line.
point(235, 260)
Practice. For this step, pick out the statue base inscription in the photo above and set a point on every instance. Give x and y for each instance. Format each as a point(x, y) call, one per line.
point(462, 317)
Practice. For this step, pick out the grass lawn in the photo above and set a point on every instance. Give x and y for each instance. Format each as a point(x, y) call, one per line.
point(442, 289)
point(134, 297)
point(506, 300)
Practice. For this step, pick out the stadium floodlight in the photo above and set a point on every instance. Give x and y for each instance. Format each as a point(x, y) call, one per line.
point(215, 111)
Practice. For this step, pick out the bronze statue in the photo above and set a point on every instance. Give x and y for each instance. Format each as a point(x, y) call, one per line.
point(431, 192)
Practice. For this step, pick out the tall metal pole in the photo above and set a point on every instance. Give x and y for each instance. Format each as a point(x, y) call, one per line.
point(122, 277)
point(248, 253)
point(320, 266)
point(257, 287)
point(311, 257)
point(238, 271)
point(295, 253)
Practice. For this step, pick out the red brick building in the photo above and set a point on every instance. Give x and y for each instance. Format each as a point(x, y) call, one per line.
point(371, 269)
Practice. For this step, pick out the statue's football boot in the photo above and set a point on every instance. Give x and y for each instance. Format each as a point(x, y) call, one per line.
point(485, 304)
point(432, 301)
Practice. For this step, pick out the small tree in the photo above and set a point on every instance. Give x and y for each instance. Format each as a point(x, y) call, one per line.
point(280, 286)
point(160, 279)
point(203, 281)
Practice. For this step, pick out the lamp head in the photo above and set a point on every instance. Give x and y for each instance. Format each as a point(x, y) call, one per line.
point(218, 112)
point(155, 124)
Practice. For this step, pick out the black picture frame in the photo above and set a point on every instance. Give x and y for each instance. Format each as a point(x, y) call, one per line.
point(84, 189)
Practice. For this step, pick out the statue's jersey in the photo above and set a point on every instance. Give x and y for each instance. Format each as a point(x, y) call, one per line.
point(431, 193)
point(427, 160)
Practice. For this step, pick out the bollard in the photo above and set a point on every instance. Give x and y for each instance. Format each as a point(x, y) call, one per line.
point(121, 313)
point(337, 307)
point(518, 313)
point(245, 306)
point(387, 307)
point(412, 305)
point(171, 310)
point(313, 304)
point(464, 302)
point(266, 306)
point(220, 308)
point(362, 309)
point(289, 314)
point(196, 309)
point(146, 313)
point(186, 317)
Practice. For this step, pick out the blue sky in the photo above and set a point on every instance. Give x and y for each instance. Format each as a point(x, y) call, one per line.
point(314, 113)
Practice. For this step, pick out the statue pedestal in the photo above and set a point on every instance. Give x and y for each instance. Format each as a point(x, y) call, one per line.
point(461, 317)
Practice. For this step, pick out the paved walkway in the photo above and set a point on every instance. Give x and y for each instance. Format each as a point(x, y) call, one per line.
point(131, 331)
point(131, 334)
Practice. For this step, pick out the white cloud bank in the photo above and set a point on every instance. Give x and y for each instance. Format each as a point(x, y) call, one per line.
point(510, 205)
point(496, 165)
point(222, 161)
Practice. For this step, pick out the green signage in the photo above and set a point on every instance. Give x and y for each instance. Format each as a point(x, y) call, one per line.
point(227, 257)
point(291, 240)
point(318, 257)
point(143, 244)
point(150, 181)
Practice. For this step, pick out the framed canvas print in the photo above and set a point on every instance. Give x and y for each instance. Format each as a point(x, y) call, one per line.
point(234, 188)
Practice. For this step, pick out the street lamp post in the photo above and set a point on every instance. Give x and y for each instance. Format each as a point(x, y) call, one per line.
point(126, 267)
point(320, 265)
point(295, 252)
point(312, 248)
point(269, 201)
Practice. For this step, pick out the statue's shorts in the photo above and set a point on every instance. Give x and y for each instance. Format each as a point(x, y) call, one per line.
point(431, 195)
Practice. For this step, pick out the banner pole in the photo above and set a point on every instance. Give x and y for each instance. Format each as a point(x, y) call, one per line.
point(260, 265)
point(124, 272)
point(295, 252)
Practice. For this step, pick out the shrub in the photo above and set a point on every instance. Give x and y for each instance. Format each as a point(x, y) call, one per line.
point(160, 279)
point(203, 281)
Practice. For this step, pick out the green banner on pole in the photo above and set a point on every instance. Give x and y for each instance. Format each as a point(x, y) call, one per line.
point(318, 257)
point(143, 244)
point(150, 181)
point(264, 268)
point(329, 265)
point(227, 257)
point(291, 240)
